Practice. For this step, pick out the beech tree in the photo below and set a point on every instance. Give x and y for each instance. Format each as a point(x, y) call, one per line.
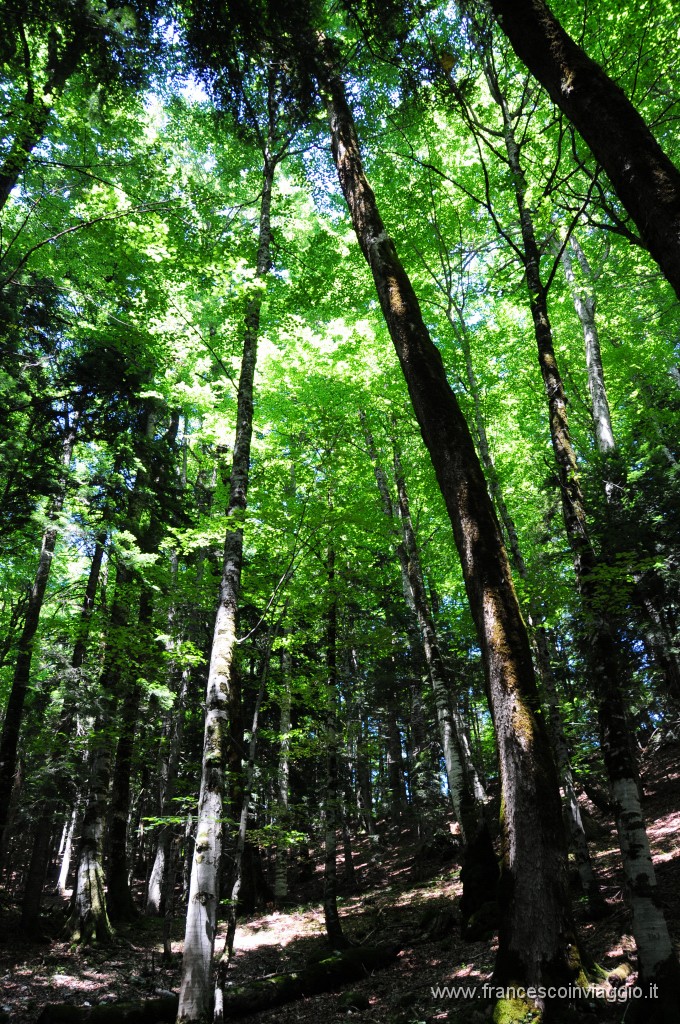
point(270, 314)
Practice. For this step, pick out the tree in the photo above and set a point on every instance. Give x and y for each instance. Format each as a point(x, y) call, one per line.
point(46, 43)
point(528, 952)
point(645, 179)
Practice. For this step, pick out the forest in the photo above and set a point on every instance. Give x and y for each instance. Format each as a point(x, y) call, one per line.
point(339, 546)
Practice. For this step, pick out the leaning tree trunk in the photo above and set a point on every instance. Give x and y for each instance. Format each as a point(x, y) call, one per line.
point(657, 961)
point(645, 180)
point(459, 780)
point(536, 939)
point(577, 835)
point(9, 741)
point(199, 941)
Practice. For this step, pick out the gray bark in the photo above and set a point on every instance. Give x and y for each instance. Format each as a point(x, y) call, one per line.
point(199, 940)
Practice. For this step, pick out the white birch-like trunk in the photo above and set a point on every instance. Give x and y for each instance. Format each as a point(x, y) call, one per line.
point(649, 924)
point(196, 984)
point(67, 848)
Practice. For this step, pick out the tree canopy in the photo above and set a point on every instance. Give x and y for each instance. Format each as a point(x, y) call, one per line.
point(339, 466)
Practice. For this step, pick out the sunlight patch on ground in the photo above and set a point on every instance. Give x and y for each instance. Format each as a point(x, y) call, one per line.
point(278, 930)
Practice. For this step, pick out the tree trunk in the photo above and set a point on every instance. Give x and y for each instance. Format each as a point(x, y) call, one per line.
point(119, 900)
point(657, 960)
point(645, 180)
point(89, 920)
point(536, 938)
point(395, 763)
point(196, 989)
point(168, 774)
point(69, 833)
point(37, 110)
point(331, 799)
point(236, 869)
point(460, 772)
point(262, 994)
point(364, 784)
point(9, 741)
point(282, 783)
point(541, 645)
point(58, 782)
point(460, 791)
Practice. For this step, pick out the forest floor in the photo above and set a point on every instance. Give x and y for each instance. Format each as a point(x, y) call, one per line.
point(399, 895)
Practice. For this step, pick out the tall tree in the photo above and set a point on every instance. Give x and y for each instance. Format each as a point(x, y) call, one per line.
point(645, 179)
point(45, 45)
point(532, 948)
point(195, 993)
point(11, 729)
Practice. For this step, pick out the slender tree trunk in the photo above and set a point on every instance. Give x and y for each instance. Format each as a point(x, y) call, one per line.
point(119, 901)
point(199, 941)
point(584, 299)
point(425, 786)
point(416, 599)
point(585, 303)
point(168, 774)
point(536, 938)
point(349, 872)
point(577, 836)
point(645, 180)
point(89, 921)
point(236, 870)
point(657, 960)
point(460, 772)
point(58, 777)
point(334, 931)
point(282, 783)
point(69, 834)
point(395, 761)
point(364, 786)
point(9, 741)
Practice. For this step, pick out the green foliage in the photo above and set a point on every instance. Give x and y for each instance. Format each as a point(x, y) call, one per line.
point(127, 259)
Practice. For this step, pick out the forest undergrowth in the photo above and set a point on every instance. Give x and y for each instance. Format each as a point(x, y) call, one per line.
point(404, 892)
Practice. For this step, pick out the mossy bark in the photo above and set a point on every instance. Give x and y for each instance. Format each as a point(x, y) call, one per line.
point(644, 178)
point(658, 964)
point(536, 936)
